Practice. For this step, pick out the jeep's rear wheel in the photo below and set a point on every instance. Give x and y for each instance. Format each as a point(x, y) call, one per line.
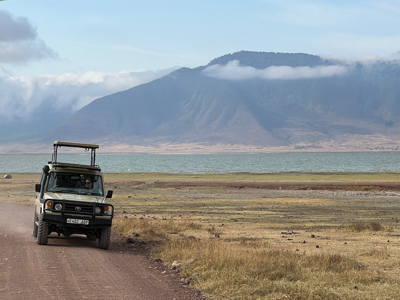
point(35, 226)
point(43, 232)
point(104, 238)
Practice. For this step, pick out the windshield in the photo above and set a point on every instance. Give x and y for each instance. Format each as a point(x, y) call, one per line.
point(75, 183)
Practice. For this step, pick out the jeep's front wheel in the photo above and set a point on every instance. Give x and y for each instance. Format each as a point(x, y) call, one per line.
point(35, 226)
point(43, 232)
point(104, 238)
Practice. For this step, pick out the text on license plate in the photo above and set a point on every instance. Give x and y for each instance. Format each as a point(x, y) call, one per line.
point(77, 221)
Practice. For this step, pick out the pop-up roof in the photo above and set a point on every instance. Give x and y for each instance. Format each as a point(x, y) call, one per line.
point(91, 147)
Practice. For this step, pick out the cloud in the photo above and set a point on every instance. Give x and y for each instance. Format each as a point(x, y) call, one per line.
point(233, 71)
point(15, 29)
point(19, 42)
point(22, 96)
point(363, 59)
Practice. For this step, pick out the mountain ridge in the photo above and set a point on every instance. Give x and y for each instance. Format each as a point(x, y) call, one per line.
point(263, 99)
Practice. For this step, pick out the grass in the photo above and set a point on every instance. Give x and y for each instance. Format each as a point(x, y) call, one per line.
point(153, 229)
point(258, 269)
point(263, 244)
point(364, 226)
point(24, 176)
point(253, 270)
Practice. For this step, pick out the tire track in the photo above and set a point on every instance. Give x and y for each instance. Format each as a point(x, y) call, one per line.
point(73, 268)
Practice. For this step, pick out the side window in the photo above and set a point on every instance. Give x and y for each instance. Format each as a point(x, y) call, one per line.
point(98, 186)
point(52, 181)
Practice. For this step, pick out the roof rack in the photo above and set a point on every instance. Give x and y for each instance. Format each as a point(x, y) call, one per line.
point(91, 147)
point(68, 165)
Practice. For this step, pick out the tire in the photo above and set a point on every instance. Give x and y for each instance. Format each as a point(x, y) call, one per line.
point(43, 232)
point(35, 227)
point(104, 238)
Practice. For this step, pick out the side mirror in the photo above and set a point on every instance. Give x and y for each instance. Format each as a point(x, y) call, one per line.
point(109, 194)
point(37, 187)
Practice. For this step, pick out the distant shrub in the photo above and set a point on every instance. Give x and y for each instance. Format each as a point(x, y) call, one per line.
point(364, 226)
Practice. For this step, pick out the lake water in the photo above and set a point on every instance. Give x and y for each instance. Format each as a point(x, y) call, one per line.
point(215, 163)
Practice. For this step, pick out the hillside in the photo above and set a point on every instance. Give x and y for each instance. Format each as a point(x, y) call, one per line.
point(249, 98)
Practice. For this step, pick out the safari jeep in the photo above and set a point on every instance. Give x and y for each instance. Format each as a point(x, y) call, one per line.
point(70, 200)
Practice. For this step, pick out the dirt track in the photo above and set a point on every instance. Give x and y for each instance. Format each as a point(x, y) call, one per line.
point(73, 268)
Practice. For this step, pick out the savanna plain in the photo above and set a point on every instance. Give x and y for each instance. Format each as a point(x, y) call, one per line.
point(259, 236)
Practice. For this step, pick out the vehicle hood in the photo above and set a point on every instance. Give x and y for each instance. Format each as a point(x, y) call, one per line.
point(73, 197)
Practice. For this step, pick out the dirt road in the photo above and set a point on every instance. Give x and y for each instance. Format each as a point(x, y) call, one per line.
point(73, 268)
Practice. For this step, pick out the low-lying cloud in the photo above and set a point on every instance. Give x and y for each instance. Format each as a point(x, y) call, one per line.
point(234, 71)
point(19, 41)
point(23, 95)
point(363, 59)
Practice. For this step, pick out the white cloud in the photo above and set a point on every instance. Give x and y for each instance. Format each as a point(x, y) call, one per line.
point(19, 42)
point(233, 71)
point(364, 59)
point(21, 96)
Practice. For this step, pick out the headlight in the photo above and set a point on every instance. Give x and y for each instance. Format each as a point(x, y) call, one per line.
point(97, 210)
point(58, 206)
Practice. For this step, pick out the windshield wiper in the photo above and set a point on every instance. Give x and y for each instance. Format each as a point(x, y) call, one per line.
point(60, 191)
point(83, 193)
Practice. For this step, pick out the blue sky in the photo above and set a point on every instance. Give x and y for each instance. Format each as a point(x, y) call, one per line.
point(110, 36)
point(119, 44)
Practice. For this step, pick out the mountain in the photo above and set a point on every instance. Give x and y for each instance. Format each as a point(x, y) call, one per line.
point(32, 129)
point(250, 98)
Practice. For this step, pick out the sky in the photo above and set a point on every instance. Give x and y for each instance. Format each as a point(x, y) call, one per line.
point(69, 53)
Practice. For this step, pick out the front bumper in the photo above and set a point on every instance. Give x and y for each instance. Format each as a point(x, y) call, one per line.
point(77, 210)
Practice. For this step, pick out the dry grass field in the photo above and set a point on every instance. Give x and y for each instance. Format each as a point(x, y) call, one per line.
point(302, 236)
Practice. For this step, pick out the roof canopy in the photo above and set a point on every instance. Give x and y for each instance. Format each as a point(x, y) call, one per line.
point(90, 147)
point(75, 145)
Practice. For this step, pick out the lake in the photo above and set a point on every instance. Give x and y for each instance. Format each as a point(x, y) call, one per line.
point(215, 163)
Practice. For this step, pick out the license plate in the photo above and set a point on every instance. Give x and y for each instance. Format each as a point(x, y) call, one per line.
point(78, 221)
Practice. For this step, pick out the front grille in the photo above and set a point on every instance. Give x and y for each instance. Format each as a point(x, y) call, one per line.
point(78, 208)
